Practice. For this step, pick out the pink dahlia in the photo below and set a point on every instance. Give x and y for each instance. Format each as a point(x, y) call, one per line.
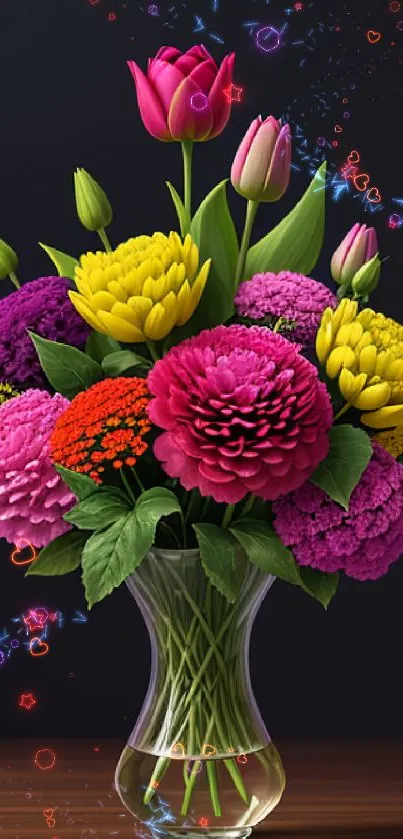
point(361, 541)
point(243, 412)
point(294, 297)
point(33, 497)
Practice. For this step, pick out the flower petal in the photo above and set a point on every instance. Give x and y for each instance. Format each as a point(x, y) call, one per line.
point(219, 103)
point(150, 106)
point(186, 123)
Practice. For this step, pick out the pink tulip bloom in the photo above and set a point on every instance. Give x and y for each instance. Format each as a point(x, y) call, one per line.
point(358, 247)
point(182, 96)
point(262, 166)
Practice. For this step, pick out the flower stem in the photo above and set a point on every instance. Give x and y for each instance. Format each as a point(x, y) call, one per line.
point(152, 349)
point(187, 151)
point(229, 512)
point(14, 279)
point(139, 483)
point(104, 239)
point(248, 505)
point(342, 411)
point(251, 210)
point(127, 486)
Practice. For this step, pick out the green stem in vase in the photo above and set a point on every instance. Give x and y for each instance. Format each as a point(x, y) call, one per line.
point(251, 210)
point(187, 152)
point(212, 781)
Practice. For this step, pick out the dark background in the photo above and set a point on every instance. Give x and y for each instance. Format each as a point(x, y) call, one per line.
point(67, 100)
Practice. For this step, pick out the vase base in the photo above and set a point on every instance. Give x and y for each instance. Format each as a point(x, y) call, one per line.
point(219, 833)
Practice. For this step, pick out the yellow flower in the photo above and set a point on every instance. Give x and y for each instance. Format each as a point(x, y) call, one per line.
point(141, 290)
point(392, 441)
point(364, 351)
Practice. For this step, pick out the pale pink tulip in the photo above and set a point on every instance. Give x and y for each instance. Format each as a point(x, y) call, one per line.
point(262, 166)
point(358, 247)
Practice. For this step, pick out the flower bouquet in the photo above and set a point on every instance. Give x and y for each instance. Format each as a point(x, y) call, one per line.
point(198, 417)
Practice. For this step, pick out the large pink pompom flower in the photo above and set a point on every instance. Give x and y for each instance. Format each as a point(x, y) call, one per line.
point(33, 497)
point(243, 412)
point(362, 541)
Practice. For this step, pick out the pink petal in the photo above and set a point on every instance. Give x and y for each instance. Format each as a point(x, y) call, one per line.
point(258, 160)
point(220, 106)
point(200, 52)
point(165, 79)
point(342, 251)
point(278, 176)
point(243, 150)
point(372, 244)
point(186, 63)
point(150, 106)
point(167, 54)
point(186, 123)
point(204, 74)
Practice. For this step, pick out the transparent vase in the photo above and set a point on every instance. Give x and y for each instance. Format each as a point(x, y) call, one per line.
point(200, 759)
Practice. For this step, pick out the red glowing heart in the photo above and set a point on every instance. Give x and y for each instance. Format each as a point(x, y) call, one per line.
point(361, 182)
point(48, 814)
point(354, 157)
point(20, 547)
point(377, 197)
point(338, 129)
point(38, 647)
point(373, 37)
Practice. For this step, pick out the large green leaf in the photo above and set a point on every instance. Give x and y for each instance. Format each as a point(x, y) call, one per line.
point(68, 370)
point(61, 556)
point(65, 264)
point(99, 510)
point(155, 503)
point(82, 485)
point(223, 562)
point(214, 232)
point(118, 363)
point(98, 345)
point(183, 215)
point(264, 549)
point(350, 453)
point(295, 244)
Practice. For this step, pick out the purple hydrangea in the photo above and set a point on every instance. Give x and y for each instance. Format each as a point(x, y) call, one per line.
point(41, 306)
point(294, 297)
point(362, 541)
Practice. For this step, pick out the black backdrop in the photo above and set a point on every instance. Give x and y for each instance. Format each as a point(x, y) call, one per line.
point(67, 100)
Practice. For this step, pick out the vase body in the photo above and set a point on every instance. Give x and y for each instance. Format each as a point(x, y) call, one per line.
point(200, 759)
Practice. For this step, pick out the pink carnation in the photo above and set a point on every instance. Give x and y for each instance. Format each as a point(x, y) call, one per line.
point(361, 541)
point(294, 297)
point(242, 410)
point(33, 497)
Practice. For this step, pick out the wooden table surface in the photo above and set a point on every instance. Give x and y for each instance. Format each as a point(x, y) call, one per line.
point(337, 790)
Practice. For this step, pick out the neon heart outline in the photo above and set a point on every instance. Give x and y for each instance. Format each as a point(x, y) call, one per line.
point(338, 129)
point(18, 548)
point(356, 159)
point(373, 200)
point(362, 175)
point(40, 644)
point(373, 37)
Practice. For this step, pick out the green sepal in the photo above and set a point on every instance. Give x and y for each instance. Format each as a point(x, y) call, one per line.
point(66, 265)
point(181, 211)
point(295, 244)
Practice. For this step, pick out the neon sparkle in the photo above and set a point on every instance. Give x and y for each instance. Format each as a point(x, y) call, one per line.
point(199, 101)
point(27, 701)
point(233, 93)
point(44, 759)
point(268, 39)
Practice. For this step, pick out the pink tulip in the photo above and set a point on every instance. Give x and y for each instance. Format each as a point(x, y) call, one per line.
point(262, 165)
point(182, 96)
point(358, 247)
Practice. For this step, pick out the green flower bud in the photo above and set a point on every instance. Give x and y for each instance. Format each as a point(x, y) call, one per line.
point(366, 279)
point(93, 207)
point(8, 260)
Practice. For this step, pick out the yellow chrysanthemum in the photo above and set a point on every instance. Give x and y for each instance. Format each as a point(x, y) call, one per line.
point(364, 351)
point(141, 290)
point(392, 441)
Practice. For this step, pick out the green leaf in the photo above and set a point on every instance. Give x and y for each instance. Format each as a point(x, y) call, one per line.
point(120, 362)
point(61, 556)
point(99, 345)
point(265, 549)
point(68, 370)
point(99, 510)
point(108, 558)
point(81, 485)
point(65, 264)
point(183, 215)
point(113, 553)
point(223, 562)
point(295, 244)
point(214, 232)
point(349, 455)
point(321, 586)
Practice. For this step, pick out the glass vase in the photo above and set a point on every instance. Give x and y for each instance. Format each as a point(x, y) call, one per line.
point(200, 759)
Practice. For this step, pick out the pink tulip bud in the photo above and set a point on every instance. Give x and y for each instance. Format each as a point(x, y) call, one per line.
point(262, 166)
point(358, 247)
point(182, 96)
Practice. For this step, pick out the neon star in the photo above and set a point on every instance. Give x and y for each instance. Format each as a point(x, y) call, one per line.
point(233, 93)
point(27, 701)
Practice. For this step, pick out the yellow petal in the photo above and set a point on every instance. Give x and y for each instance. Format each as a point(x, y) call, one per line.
point(169, 303)
point(120, 329)
point(141, 306)
point(348, 335)
point(148, 288)
point(323, 343)
point(182, 305)
point(118, 292)
point(390, 416)
point(383, 359)
point(83, 309)
point(102, 300)
point(367, 359)
point(364, 341)
point(394, 370)
point(161, 288)
point(157, 323)
point(365, 317)
point(373, 397)
point(83, 287)
point(199, 285)
point(338, 358)
point(97, 280)
point(349, 385)
point(122, 310)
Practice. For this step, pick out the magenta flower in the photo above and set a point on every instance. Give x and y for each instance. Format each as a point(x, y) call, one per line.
point(357, 248)
point(262, 166)
point(294, 297)
point(243, 412)
point(33, 497)
point(182, 96)
point(362, 541)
